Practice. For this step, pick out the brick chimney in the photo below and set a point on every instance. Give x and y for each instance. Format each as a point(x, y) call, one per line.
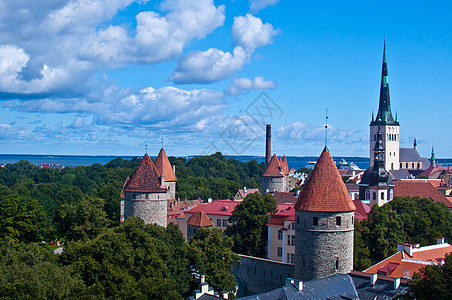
point(268, 144)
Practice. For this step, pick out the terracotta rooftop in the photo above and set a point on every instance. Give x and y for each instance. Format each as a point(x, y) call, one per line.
point(218, 207)
point(284, 197)
point(362, 210)
point(325, 190)
point(285, 213)
point(403, 265)
point(122, 195)
point(243, 192)
point(176, 208)
point(274, 168)
point(419, 189)
point(435, 182)
point(164, 167)
point(285, 166)
point(199, 219)
point(145, 179)
point(430, 170)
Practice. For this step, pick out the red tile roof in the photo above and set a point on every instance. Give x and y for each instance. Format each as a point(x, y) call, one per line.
point(284, 197)
point(285, 213)
point(164, 167)
point(243, 192)
point(325, 190)
point(403, 265)
point(285, 167)
point(274, 168)
point(199, 219)
point(218, 207)
point(435, 182)
point(362, 210)
point(122, 195)
point(145, 179)
point(176, 208)
point(419, 189)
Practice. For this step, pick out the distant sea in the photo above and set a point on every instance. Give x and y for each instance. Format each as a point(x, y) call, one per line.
point(295, 162)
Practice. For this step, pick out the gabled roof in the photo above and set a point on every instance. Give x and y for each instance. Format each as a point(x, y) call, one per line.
point(285, 166)
point(242, 193)
point(362, 210)
point(122, 195)
point(285, 213)
point(285, 197)
point(437, 169)
point(199, 219)
point(145, 179)
point(164, 167)
point(218, 207)
point(274, 168)
point(419, 189)
point(325, 190)
point(409, 154)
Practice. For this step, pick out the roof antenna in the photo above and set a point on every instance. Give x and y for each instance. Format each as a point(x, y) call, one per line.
point(326, 127)
point(146, 147)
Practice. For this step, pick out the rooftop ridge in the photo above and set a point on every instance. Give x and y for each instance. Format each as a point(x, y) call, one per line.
point(145, 178)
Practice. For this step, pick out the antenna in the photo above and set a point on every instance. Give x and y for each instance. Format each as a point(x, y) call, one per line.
point(326, 127)
point(146, 147)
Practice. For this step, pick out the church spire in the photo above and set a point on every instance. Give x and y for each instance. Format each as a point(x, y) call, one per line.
point(432, 159)
point(384, 115)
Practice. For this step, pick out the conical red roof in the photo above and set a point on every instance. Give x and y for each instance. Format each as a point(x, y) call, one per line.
point(274, 168)
point(145, 179)
point(164, 167)
point(199, 219)
point(325, 190)
point(285, 166)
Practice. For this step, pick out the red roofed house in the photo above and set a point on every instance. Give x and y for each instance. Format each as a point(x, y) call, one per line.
point(145, 194)
point(407, 188)
point(168, 172)
point(324, 224)
point(217, 211)
point(197, 220)
point(281, 235)
point(241, 194)
point(410, 259)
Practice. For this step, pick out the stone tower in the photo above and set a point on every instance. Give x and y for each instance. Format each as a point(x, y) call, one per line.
point(276, 175)
point(164, 167)
point(145, 194)
point(380, 191)
point(324, 224)
point(385, 121)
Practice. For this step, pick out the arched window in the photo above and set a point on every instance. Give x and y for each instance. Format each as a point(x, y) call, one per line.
point(392, 166)
point(382, 197)
point(374, 196)
point(338, 221)
point(367, 195)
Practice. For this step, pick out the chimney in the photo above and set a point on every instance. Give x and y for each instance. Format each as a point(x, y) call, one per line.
point(373, 278)
point(268, 144)
point(162, 179)
point(439, 240)
point(174, 170)
point(298, 284)
point(396, 283)
point(408, 249)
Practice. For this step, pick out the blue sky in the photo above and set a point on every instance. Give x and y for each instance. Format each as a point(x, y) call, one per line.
point(109, 77)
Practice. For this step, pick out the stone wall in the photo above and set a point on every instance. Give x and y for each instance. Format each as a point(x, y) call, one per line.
point(324, 249)
point(279, 184)
point(171, 185)
point(260, 275)
point(150, 207)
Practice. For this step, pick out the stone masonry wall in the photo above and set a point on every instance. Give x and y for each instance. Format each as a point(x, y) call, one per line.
point(325, 249)
point(262, 275)
point(150, 207)
point(273, 183)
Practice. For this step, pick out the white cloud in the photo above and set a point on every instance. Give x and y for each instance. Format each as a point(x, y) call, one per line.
point(256, 5)
point(298, 131)
point(239, 85)
point(56, 47)
point(9, 132)
point(214, 65)
point(251, 33)
point(208, 66)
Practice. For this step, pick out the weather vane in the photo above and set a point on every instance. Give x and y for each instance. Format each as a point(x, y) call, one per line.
point(146, 147)
point(162, 141)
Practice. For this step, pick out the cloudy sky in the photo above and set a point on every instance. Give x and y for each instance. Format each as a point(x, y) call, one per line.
point(109, 77)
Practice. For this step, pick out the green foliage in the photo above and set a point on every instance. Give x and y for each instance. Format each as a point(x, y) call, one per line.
point(22, 219)
point(361, 254)
point(407, 220)
point(250, 217)
point(215, 258)
point(433, 282)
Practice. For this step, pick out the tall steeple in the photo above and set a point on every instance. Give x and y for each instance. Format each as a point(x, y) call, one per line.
point(432, 159)
point(384, 115)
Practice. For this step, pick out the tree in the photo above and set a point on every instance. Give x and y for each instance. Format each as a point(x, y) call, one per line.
point(250, 217)
point(434, 281)
point(214, 258)
point(408, 220)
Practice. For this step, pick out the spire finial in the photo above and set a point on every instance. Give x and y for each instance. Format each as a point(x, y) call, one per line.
point(433, 162)
point(326, 127)
point(146, 148)
point(162, 141)
point(373, 118)
point(415, 143)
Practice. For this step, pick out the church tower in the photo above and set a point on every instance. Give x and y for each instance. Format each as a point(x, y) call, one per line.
point(324, 227)
point(379, 189)
point(385, 121)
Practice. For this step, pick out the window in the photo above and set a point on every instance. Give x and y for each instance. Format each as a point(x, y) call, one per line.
point(290, 258)
point(225, 223)
point(352, 220)
point(401, 165)
point(279, 235)
point(218, 223)
point(298, 219)
point(291, 240)
point(418, 165)
point(279, 252)
point(374, 196)
point(337, 263)
point(392, 166)
point(315, 221)
point(367, 195)
point(338, 221)
point(382, 196)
